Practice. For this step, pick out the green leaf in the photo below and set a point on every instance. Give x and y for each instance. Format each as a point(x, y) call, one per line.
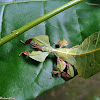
point(23, 78)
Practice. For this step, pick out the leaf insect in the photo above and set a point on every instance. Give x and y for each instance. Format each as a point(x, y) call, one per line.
point(84, 57)
point(42, 43)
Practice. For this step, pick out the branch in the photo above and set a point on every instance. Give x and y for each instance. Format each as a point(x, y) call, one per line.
point(93, 4)
point(38, 21)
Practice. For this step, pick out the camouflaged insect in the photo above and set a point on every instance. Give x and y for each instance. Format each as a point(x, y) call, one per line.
point(84, 57)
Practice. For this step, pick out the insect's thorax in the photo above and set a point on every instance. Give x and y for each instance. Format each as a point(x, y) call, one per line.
point(47, 49)
point(60, 52)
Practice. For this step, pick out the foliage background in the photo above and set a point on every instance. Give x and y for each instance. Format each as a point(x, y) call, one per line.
point(23, 78)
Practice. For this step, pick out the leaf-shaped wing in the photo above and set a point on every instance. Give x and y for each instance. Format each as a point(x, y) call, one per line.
point(41, 40)
point(70, 70)
point(37, 55)
point(61, 65)
point(84, 57)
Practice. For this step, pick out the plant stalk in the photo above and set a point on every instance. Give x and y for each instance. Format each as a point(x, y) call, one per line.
point(38, 21)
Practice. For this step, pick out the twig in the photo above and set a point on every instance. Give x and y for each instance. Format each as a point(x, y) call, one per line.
point(93, 4)
point(38, 21)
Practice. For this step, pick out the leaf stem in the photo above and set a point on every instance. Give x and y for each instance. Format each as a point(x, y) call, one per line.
point(37, 21)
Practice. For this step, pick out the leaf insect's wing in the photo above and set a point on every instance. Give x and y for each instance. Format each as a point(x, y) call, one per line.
point(70, 70)
point(37, 55)
point(61, 65)
point(64, 74)
point(41, 40)
point(63, 43)
point(84, 57)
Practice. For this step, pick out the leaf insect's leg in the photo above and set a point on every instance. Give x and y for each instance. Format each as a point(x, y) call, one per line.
point(64, 74)
point(20, 53)
point(54, 72)
point(22, 42)
point(27, 41)
point(37, 47)
point(56, 45)
point(25, 52)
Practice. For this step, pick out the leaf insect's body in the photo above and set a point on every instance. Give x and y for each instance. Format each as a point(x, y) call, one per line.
point(84, 57)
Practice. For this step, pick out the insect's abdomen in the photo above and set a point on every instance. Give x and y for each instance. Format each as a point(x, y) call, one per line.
point(84, 57)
